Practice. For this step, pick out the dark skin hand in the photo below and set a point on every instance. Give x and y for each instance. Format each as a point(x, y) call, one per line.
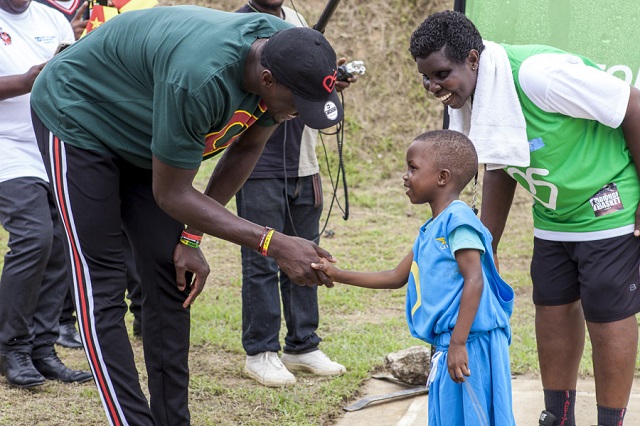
point(188, 261)
point(341, 85)
point(78, 23)
point(458, 358)
point(17, 85)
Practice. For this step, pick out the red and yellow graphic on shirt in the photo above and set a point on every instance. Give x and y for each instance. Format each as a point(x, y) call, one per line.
point(216, 142)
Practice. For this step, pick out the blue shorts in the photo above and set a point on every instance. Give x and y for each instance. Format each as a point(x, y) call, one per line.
point(603, 274)
point(485, 397)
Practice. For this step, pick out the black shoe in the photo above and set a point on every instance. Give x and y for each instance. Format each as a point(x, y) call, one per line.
point(53, 369)
point(137, 327)
point(546, 419)
point(19, 370)
point(69, 336)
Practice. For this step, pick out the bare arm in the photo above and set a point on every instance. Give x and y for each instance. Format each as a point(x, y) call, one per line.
point(498, 189)
point(12, 86)
point(175, 194)
point(248, 147)
point(237, 163)
point(471, 269)
point(631, 129)
point(391, 279)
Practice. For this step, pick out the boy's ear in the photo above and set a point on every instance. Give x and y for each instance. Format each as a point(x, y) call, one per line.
point(443, 177)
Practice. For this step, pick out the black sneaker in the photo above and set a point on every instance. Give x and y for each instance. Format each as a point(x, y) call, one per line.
point(546, 419)
point(19, 370)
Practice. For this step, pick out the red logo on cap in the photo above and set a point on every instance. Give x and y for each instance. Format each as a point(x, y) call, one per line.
point(330, 81)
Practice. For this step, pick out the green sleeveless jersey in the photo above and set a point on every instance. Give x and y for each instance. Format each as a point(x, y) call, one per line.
point(581, 174)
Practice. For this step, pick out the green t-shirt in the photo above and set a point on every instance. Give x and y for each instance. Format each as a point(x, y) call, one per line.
point(581, 173)
point(159, 81)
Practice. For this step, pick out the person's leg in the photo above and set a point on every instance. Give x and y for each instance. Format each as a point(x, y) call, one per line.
point(134, 289)
point(55, 287)
point(67, 315)
point(262, 201)
point(24, 214)
point(68, 334)
point(300, 303)
point(610, 299)
point(559, 324)
point(166, 326)
point(86, 188)
point(614, 346)
point(560, 334)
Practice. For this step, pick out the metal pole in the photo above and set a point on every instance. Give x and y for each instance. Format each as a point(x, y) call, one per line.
point(326, 15)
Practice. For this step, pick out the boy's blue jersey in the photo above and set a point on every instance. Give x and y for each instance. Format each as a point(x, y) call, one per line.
point(435, 282)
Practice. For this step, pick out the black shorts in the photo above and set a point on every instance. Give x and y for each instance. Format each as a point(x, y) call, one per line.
point(603, 274)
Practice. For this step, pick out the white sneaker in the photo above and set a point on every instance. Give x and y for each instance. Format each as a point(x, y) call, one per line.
point(315, 362)
point(266, 369)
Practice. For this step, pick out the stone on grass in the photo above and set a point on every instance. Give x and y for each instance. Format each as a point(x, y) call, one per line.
point(411, 365)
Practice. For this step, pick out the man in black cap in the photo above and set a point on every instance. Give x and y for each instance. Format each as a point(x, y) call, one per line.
point(123, 153)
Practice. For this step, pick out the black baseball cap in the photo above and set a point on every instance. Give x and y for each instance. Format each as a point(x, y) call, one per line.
point(303, 60)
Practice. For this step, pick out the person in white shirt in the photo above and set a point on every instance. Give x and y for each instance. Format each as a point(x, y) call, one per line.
point(34, 279)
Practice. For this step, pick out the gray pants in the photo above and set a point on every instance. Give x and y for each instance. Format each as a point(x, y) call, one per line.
point(34, 277)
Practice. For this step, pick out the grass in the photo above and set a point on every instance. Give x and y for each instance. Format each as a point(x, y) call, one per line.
point(384, 111)
point(359, 327)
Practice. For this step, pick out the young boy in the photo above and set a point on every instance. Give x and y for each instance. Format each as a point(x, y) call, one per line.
point(456, 300)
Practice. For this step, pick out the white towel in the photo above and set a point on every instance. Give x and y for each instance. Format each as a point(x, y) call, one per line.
point(496, 124)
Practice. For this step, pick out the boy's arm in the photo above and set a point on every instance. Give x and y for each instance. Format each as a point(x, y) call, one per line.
point(391, 279)
point(471, 269)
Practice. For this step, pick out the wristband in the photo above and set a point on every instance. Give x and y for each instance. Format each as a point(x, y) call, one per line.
point(267, 240)
point(263, 247)
point(190, 240)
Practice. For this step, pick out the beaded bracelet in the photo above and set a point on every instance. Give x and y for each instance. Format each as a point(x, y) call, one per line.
point(265, 239)
point(190, 240)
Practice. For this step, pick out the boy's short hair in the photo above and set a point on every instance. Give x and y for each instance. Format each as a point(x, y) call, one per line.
point(453, 151)
point(448, 28)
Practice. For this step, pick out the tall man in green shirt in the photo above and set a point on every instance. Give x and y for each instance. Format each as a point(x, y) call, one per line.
point(124, 118)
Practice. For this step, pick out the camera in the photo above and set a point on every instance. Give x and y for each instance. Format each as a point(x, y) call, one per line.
point(347, 71)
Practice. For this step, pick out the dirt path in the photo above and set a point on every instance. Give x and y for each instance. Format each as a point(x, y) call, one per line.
point(527, 404)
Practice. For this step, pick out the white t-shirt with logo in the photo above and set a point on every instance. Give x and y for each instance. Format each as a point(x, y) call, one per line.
point(26, 39)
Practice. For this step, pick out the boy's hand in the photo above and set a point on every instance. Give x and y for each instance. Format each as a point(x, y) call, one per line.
point(457, 362)
point(325, 266)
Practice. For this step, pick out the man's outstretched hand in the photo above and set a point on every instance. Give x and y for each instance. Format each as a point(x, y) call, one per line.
point(294, 257)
